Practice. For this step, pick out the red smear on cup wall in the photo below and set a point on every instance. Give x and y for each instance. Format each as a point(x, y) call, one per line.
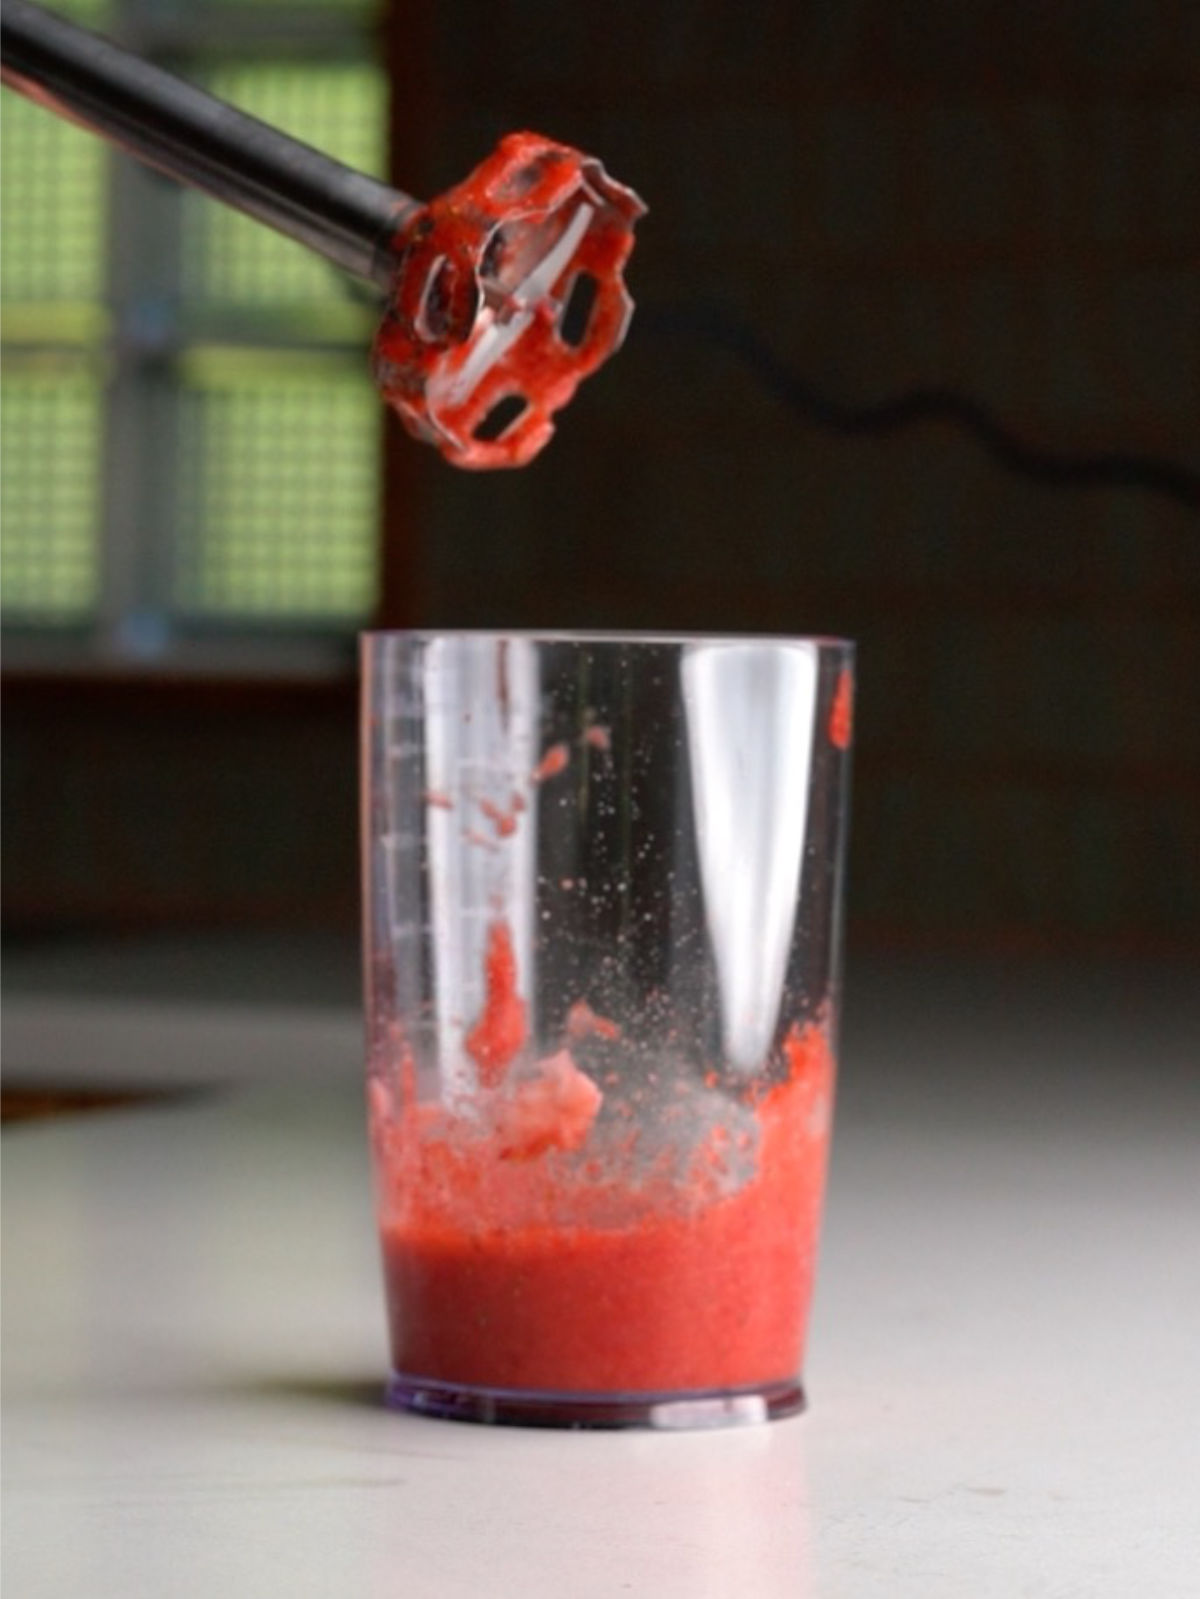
point(552, 763)
point(505, 822)
point(496, 1038)
point(583, 1022)
point(841, 713)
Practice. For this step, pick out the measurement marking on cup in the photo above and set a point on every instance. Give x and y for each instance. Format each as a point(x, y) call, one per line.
point(403, 839)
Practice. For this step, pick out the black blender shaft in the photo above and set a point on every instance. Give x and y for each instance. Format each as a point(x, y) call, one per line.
point(197, 139)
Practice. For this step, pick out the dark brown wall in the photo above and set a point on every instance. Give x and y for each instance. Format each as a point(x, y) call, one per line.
point(1002, 200)
point(179, 805)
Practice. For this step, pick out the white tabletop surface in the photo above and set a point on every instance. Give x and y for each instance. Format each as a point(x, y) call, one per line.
point(1004, 1375)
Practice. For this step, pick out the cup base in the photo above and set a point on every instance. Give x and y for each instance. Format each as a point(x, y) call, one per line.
point(665, 1412)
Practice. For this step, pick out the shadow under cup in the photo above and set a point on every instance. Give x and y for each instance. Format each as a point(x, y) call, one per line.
point(603, 889)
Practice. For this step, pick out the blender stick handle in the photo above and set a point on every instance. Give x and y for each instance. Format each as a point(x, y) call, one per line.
point(193, 137)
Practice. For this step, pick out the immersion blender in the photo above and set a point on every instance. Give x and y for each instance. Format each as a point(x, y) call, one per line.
point(503, 293)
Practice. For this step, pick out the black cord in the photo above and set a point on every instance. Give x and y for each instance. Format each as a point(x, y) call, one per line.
point(934, 403)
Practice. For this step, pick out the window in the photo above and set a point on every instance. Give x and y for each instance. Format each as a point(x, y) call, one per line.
point(191, 439)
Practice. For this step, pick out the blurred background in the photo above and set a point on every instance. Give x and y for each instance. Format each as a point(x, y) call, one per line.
point(905, 269)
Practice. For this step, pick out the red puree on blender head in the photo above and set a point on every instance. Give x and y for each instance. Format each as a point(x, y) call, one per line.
point(526, 1248)
point(508, 291)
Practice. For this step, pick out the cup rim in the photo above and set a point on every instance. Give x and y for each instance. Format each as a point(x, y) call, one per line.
point(829, 641)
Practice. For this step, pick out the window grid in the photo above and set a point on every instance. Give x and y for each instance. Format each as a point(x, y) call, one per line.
point(280, 481)
point(347, 7)
point(52, 244)
point(340, 109)
point(274, 457)
point(49, 489)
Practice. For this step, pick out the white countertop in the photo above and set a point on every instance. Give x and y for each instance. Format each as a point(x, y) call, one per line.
point(1004, 1376)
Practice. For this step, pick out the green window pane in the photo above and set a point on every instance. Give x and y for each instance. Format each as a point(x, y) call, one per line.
point(53, 241)
point(280, 490)
point(276, 478)
point(49, 489)
point(96, 14)
point(354, 8)
point(340, 110)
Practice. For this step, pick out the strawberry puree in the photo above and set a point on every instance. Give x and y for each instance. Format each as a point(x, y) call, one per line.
point(552, 763)
point(841, 713)
point(504, 821)
point(554, 1109)
point(582, 1022)
point(548, 1237)
point(497, 1036)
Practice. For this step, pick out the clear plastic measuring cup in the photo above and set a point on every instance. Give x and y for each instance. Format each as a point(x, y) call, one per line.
point(603, 886)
